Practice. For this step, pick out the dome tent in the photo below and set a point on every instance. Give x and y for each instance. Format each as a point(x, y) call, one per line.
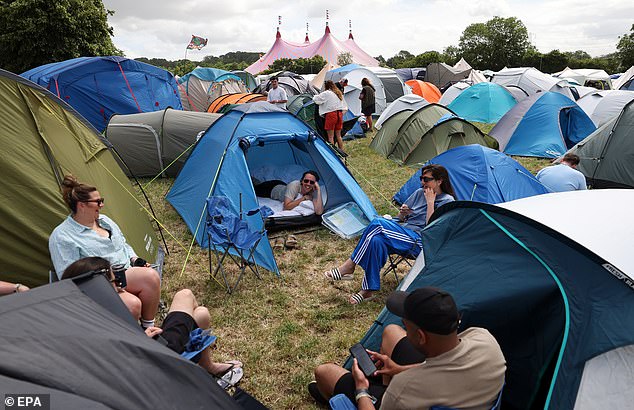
point(483, 102)
point(204, 84)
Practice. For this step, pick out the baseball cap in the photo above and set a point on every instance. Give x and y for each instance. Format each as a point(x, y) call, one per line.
point(429, 308)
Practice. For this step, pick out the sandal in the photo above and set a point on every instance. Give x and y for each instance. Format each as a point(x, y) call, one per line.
point(291, 242)
point(358, 298)
point(278, 243)
point(334, 275)
point(231, 378)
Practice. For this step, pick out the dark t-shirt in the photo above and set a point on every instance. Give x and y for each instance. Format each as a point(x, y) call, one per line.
point(367, 96)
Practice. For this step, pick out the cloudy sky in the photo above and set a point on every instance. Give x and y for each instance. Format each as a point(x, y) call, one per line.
point(162, 29)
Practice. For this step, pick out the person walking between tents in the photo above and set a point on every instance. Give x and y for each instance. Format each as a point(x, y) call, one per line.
point(564, 176)
point(277, 95)
point(86, 232)
point(332, 106)
point(367, 101)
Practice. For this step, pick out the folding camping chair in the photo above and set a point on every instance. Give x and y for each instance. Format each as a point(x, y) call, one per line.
point(229, 232)
point(394, 261)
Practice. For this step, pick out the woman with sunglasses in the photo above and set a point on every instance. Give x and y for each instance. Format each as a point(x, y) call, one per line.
point(87, 232)
point(296, 192)
point(384, 237)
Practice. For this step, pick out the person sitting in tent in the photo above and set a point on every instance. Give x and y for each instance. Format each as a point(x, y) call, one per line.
point(85, 232)
point(385, 236)
point(296, 192)
point(277, 95)
point(563, 176)
point(368, 104)
point(185, 315)
point(332, 106)
point(6, 288)
point(427, 364)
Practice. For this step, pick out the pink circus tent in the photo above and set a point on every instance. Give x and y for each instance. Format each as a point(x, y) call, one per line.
point(327, 46)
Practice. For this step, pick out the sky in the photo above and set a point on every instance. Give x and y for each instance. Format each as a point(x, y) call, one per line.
point(162, 29)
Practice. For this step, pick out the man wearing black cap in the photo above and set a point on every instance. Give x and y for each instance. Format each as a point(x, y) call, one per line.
point(427, 364)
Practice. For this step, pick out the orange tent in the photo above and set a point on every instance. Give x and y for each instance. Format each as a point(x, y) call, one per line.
point(426, 90)
point(238, 98)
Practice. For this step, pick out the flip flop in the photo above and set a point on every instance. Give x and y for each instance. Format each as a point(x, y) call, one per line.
point(232, 364)
point(291, 242)
point(334, 275)
point(231, 378)
point(358, 298)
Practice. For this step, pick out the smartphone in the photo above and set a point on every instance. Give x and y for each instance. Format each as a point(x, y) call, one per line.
point(363, 359)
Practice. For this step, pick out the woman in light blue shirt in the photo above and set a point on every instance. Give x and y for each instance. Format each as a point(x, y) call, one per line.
point(86, 232)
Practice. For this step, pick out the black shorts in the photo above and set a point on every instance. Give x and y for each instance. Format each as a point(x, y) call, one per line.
point(176, 329)
point(369, 110)
point(404, 353)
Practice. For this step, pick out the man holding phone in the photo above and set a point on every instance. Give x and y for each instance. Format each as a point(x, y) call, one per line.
point(426, 364)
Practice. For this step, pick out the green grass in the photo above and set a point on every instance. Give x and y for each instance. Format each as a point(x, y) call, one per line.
point(283, 327)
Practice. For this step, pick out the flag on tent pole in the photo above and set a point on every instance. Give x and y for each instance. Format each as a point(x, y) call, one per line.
point(196, 43)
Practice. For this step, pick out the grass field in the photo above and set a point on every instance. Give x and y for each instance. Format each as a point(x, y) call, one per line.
point(282, 327)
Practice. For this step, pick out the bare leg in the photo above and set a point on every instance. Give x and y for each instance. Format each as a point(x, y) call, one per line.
point(347, 267)
point(339, 140)
point(327, 375)
point(368, 121)
point(145, 284)
point(132, 303)
point(392, 334)
point(331, 136)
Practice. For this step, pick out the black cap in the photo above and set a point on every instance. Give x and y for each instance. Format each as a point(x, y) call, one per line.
point(431, 309)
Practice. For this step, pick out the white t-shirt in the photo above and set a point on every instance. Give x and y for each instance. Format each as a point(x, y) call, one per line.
point(276, 94)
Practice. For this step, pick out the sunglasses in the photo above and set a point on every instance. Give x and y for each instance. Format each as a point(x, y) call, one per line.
point(427, 179)
point(97, 201)
point(309, 181)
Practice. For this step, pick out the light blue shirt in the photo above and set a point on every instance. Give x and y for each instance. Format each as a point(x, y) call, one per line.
point(562, 178)
point(71, 241)
point(418, 204)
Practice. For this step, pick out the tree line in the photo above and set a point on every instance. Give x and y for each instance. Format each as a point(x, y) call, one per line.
point(37, 32)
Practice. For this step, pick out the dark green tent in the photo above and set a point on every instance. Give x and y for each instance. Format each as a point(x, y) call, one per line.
point(607, 155)
point(42, 139)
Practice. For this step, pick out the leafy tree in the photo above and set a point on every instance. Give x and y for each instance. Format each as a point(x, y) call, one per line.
point(451, 55)
point(625, 49)
point(426, 58)
point(381, 60)
point(577, 55)
point(554, 61)
point(36, 32)
point(299, 65)
point(400, 60)
point(344, 58)
point(497, 43)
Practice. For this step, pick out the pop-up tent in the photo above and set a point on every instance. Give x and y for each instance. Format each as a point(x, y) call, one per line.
point(156, 143)
point(98, 87)
point(425, 133)
point(392, 84)
point(86, 356)
point(426, 90)
point(602, 106)
point(532, 81)
point(249, 138)
point(480, 174)
point(483, 102)
point(607, 155)
point(443, 75)
point(43, 139)
point(543, 125)
point(626, 81)
point(592, 77)
point(354, 73)
point(557, 296)
point(452, 92)
point(408, 102)
point(292, 83)
point(203, 85)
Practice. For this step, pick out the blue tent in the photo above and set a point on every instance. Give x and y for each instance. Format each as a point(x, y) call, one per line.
point(98, 87)
point(209, 74)
point(558, 299)
point(480, 174)
point(247, 138)
point(543, 125)
point(483, 102)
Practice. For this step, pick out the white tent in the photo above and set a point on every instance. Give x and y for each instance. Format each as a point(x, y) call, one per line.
point(320, 78)
point(354, 74)
point(532, 81)
point(586, 76)
point(452, 92)
point(462, 65)
point(408, 102)
point(602, 106)
point(624, 78)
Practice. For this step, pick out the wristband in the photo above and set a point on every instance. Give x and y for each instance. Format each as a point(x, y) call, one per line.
point(17, 287)
point(360, 393)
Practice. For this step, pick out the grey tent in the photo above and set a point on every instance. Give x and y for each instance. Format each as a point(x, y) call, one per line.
point(62, 337)
point(159, 142)
point(443, 75)
point(292, 83)
point(607, 155)
point(42, 139)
